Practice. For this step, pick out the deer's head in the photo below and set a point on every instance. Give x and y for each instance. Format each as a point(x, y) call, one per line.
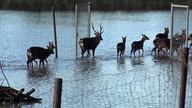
point(166, 30)
point(98, 34)
point(50, 47)
point(124, 39)
point(144, 37)
point(183, 32)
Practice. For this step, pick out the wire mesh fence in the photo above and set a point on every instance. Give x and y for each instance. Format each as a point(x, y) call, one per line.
point(137, 88)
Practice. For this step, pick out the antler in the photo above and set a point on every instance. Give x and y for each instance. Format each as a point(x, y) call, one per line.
point(101, 31)
point(94, 28)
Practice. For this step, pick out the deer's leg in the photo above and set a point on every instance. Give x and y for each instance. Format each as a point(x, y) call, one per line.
point(159, 50)
point(88, 53)
point(46, 61)
point(117, 53)
point(153, 50)
point(82, 52)
point(43, 62)
point(35, 61)
point(39, 62)
point(134, 52)
point(93, 53)
point(122, 52)
point(28, 63)
point(131, 53)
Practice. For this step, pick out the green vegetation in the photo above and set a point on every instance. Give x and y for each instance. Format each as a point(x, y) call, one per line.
point(104, 5)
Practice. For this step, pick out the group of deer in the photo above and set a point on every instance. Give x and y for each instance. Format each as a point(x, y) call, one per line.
point(160, 43)
point(87, 44)
point(135, 46)
point(163, 42)
point(42, 54)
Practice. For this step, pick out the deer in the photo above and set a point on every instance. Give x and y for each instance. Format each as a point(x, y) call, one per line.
point(161, 43)
point(39, 53)
point(91, 43)
point(121, 47)
point(163, 35)
point(138, 45)
point(30, 58)
point(181, 38)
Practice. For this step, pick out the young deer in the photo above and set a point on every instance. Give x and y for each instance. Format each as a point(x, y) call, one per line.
point(121, 47)
point(39, 53)
point(181, 38)
point(138, 45)
point(163, 35)
point(159, 44)
point(91, 43)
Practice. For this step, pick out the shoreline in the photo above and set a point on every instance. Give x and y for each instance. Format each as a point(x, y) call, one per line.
point(96, 5)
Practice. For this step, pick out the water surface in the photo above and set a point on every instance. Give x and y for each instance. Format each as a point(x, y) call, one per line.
point(144, 81)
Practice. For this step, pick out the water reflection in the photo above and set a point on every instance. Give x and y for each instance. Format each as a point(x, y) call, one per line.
point(161, 57)
point(137, 60)
point(38, 71)
point(39, 76)
point(121, 64)
point(121, 60)
point(88, 67)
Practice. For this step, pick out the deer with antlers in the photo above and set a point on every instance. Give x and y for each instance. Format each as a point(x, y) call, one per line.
point(87, 44)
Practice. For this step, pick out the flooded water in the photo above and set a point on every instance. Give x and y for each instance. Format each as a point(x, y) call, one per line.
point(142, 82)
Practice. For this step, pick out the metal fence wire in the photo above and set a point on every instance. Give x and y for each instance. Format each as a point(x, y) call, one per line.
point(135, 88)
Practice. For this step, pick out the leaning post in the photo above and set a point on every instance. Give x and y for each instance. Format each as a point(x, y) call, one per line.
point(183, 77)
point(57, 93)
point(55, 34)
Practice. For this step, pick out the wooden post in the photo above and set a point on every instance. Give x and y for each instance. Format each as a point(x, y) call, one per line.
point(57, 93)
point(30, 92)
point(19, 93)
point(55, 34)
point(183, 77)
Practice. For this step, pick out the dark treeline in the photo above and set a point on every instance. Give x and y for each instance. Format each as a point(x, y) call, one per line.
point(101, 5)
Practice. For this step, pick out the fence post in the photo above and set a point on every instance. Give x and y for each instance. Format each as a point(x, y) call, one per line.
point(183, 77)
point(57, 93)
point(55, 34)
